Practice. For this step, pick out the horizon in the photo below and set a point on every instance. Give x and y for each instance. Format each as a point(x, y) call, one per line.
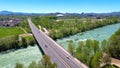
point(62, 6)
point(56, 12)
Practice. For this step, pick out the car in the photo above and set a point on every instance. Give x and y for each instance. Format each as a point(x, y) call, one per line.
point(67, 57)
point(45, 45)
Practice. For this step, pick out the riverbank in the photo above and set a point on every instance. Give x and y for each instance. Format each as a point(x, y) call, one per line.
point(97, 34)
point(67, 28)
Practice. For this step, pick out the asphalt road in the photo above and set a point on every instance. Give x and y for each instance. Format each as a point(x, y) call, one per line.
point(57, 54)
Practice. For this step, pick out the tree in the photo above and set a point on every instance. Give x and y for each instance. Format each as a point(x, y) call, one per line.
point(58, 34)
point(32, 65)
point(47, 63)
point(18, 65)
point(95, 46)
point(95, 63)
point(54, 65)
point(79, 54)
point(79, 48)
point(89, 43)
point(24, 42)
point(104, 45)
point(71, 47)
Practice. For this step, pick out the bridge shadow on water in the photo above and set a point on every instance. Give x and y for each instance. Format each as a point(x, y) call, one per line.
point(42, 52)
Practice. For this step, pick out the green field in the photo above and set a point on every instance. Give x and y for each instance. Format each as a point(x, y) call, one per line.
point(10, 31)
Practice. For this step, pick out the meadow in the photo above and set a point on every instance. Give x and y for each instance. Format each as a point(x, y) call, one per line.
point(7, 31)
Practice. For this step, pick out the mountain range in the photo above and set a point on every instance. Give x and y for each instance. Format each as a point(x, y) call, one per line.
point(18, 13)
point(65, 14)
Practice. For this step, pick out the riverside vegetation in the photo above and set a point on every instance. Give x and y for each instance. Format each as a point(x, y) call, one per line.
point(44, 63)
point(12, 42)
point(96, 55)
point(63, 28)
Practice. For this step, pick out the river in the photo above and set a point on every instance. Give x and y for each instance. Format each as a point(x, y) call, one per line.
point(95, 34)
point(24, 56)
point(30, 54)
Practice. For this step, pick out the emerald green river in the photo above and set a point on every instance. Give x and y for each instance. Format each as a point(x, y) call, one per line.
point(95, 34)
point(29, 54)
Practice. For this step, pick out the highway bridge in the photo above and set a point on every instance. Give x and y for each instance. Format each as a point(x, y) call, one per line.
point(57, 54)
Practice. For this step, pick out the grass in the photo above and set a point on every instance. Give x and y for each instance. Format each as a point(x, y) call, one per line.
point(7, 31)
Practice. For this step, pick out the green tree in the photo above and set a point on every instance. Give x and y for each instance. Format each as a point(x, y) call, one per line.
point(89, 43)
point(47, 63)
point(95, 63)
point(79, 48)
point(24, 42)
point(32, 65)
point(104, 45)
point(71, 47)
point(18, 65)
point(95, 46)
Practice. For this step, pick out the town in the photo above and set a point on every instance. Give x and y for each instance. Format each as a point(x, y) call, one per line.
point(10, 22)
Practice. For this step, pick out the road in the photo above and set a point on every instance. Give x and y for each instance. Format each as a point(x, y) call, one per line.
point(57, 54)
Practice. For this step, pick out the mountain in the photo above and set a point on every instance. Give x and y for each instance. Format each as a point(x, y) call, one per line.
point(5, 12)
point(19, 13)
point(103, 14)
point(64, 14)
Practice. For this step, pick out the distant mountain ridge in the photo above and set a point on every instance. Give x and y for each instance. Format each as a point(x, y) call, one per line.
point(17, 13)
point(65, 14)
point(5, 12)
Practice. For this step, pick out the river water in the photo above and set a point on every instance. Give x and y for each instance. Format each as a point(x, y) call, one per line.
point(24, 56)
point(96, 34)
point(30, 54)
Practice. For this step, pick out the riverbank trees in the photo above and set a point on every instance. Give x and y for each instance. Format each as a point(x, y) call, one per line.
point(97, 55)
point(114, 45)
point(44, 63)
point(63, 28)
point(13, 42)
point(91, 53)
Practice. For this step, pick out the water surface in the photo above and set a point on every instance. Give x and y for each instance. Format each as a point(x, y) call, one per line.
point(95, 34)
point(24, 56)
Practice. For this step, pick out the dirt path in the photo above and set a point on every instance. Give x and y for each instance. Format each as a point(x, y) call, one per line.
point(26, 34)
point(23, 29)
point(115, 61)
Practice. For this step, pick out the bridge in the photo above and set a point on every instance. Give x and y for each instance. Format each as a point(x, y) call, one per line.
point(57, 54)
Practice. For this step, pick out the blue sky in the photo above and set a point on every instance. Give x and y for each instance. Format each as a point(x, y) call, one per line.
point(71, 6)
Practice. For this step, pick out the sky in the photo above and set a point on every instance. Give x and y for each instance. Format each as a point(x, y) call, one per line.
point(51, 6)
